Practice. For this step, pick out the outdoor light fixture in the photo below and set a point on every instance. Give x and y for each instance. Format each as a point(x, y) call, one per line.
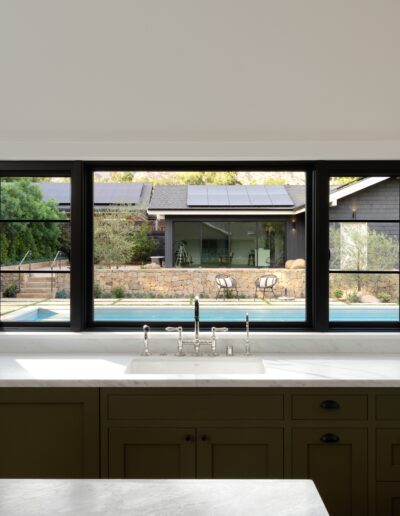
point(293, 223)
point(354, 213)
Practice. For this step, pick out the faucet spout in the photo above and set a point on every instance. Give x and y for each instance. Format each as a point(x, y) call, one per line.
point(196, 325)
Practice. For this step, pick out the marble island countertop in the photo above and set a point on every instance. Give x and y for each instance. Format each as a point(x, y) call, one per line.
point(259, 370)
point(161, 497)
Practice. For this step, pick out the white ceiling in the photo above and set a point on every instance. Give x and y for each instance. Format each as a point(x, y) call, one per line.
point(189, 78)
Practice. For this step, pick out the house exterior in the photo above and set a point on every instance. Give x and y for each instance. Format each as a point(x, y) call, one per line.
point(239, 233)
point(238, 226)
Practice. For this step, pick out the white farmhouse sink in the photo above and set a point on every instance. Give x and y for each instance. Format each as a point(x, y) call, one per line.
point(195, 365)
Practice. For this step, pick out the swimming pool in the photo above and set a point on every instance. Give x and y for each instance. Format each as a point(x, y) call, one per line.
point(218, 314)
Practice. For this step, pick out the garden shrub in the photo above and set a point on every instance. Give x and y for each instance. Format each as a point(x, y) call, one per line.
point(384, 297)
point(118, 292)
point(11, 290)
point(353, 297)
point(62, 294)
point(337, 293)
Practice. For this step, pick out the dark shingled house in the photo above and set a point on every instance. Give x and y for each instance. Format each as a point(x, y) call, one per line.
point(261, 226)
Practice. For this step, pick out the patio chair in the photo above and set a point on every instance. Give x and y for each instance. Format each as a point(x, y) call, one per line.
point(226, 284)
point(266, 282)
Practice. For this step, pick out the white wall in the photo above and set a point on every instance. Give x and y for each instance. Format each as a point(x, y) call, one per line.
point(199, 79)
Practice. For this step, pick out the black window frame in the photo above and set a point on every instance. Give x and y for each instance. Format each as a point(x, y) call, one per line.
point(316, 229)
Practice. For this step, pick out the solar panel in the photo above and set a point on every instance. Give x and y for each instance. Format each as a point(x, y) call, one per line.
point(259, 196)
point(217, 196)
point(238, 196)
point(279, 195)
point(197, 195)
point(117, 193)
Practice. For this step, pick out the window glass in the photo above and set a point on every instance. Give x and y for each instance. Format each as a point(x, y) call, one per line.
point(161, 238)
point(35, 249)
point(364, 249)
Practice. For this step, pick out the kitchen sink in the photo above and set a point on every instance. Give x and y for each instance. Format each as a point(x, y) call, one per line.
point(195, 365)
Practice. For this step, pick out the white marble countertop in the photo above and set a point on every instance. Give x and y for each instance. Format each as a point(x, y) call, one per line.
point(161, 497)
point(277, 370)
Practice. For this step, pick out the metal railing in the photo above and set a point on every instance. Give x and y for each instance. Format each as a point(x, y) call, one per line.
point(28, 254)
point(53, 264)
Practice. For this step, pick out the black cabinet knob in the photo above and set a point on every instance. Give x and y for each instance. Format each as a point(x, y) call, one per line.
point(329, 404)
point(204, 438)
point(188, 438)
point(329, 438)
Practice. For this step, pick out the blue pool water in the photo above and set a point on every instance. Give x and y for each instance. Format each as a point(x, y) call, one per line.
point(236, 314)
point(217, 314)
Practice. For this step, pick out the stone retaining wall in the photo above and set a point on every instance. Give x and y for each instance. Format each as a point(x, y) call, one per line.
point(190, 282)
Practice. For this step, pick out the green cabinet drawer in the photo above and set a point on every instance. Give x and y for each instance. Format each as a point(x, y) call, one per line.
point(388, 453)
point(130, 406)
point(388, 407)
point(329, 406)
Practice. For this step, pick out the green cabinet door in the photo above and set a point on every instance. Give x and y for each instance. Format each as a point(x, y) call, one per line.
point(388, 454)
point(151, 452)
point(388, 499)
point(49, 433)
point(240, 453)
point(336, 460)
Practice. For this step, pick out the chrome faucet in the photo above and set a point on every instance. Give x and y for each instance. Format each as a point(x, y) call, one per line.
point(247, 345)
point(178, 329)
point(196, 342)
point(196, 325)
point(146, 351)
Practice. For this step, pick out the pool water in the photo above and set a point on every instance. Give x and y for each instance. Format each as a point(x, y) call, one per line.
point(217, 314)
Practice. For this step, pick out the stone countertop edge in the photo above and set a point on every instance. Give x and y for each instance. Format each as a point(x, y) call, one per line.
point(281, 370)
point(149, 497)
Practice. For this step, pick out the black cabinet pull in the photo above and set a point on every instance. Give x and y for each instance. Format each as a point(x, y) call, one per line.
point(188, 438)
point(329, 404)
point(204, 438)
point(329, 438)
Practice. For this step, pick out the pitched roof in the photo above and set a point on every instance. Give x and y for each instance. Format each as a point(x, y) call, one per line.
point(105, 194)
point(167, 197)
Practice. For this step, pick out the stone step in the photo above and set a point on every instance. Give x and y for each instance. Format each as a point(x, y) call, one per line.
point(35, 288)
point(38, 284)
point(35, 295)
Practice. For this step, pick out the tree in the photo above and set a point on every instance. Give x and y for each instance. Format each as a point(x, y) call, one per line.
point(120, 240)
point(343, 181)
point(142, 246)
point(113, 237)
point(23, 199)
point(199, 178)
point(355, 246)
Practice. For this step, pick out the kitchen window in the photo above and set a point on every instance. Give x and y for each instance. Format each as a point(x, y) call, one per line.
point(114, 246)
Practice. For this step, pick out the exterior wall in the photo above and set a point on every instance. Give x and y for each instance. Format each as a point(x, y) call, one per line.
point(380, 201)
point(190, 282)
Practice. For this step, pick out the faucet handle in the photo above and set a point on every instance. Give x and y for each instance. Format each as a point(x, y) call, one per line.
point(177, 329)
point(222, 328)
point(173, 328)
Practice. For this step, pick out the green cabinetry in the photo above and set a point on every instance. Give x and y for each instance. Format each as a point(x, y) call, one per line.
point(49, 433)
point(346, 440)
